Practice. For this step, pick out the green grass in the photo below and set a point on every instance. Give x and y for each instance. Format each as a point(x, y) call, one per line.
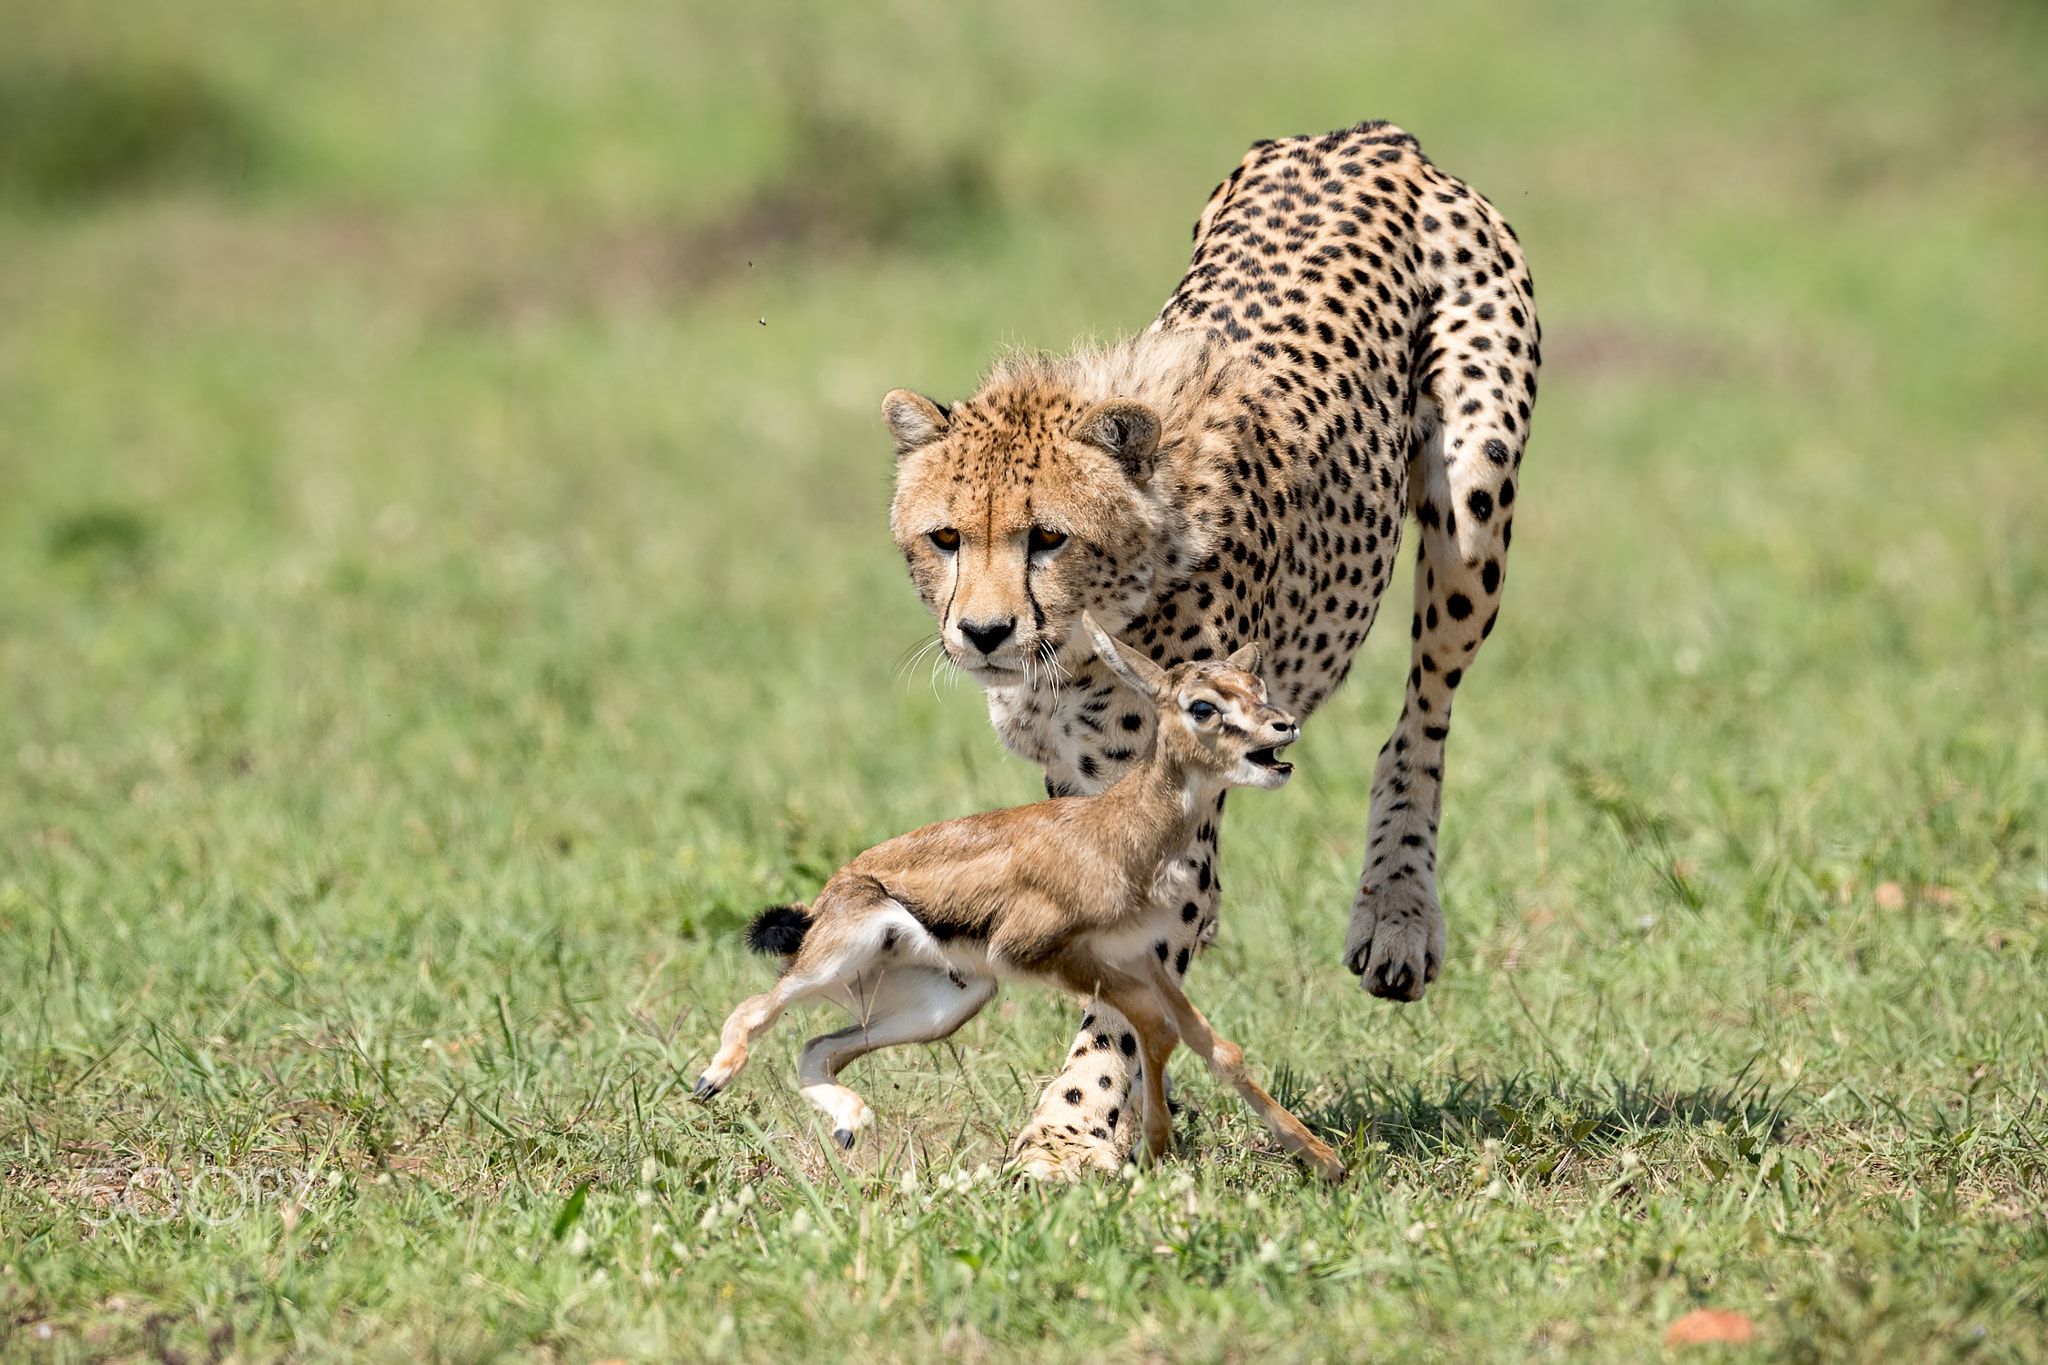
point(444, 588)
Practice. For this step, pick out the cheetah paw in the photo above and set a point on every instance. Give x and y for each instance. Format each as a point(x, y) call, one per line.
point(1396, 941)
point(1044, 1153)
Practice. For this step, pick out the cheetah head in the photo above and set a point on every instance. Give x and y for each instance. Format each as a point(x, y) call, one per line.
point(1022, 507)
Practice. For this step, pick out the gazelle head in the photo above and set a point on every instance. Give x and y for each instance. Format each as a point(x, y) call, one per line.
point(1213, 717)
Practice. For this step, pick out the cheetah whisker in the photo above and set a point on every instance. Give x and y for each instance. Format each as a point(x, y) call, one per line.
point(914, 656)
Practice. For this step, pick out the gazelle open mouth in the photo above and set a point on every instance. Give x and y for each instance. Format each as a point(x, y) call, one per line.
point(1269, 759)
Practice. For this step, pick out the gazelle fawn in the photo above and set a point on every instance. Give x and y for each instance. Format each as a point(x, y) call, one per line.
point(912, 936)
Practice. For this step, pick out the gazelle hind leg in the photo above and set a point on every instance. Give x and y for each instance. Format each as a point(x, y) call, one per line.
point(816, 970)
point(1226, 1060)
point(754, 1016)
point(904, 1004)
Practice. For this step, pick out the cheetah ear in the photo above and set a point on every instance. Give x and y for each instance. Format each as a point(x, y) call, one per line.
point(1143, 676)
point(1127, 431)
point(914, 420)
point(1246, 660)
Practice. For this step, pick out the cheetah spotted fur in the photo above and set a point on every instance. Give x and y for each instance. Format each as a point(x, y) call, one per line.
point(1355, 340)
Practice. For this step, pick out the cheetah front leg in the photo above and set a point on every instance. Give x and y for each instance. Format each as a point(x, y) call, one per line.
point(1462, 486)
point(1396, 940)
point(1084, 1118)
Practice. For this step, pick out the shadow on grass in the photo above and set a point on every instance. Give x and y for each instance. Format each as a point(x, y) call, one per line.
point(1415, 1119)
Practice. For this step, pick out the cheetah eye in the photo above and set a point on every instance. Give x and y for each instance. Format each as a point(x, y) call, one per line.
point(1201, 710)
point(1045, 538)
point(946, 538)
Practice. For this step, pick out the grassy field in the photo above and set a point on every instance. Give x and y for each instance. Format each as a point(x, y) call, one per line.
point(445, 588)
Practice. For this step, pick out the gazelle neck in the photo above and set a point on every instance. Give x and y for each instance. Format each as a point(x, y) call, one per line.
point(1166, 798)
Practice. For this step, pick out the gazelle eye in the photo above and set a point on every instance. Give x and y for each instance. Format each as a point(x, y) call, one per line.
point(1045, 538)
point(1201, 710)
point(946, 538)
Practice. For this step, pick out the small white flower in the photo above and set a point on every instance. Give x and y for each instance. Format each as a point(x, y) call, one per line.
point(579, 1243)
point(647, 1170)
point(1269, 1251)
point(645, 1198)
point(598, 1276)
point(747, 1196)
point(800, 1222)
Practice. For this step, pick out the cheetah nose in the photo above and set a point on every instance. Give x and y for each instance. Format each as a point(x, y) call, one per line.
point(987, 637)
point(1287, 728)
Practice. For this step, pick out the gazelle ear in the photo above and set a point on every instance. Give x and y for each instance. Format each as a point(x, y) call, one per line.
point(914, 420)
point(1138, 672)
point(1246, 660)
point(1129, 432)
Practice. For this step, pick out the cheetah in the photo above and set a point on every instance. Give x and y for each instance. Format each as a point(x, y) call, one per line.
point(913, 935)
point(1355, 340)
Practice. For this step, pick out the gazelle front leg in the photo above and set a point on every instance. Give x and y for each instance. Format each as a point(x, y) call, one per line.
point(1080, 1121)
point(1133, 999)
point(1226, 1060)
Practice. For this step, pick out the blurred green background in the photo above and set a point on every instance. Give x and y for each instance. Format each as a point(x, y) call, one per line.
point(445, 586)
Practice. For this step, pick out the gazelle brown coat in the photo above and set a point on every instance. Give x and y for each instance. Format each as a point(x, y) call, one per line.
point(913, 935)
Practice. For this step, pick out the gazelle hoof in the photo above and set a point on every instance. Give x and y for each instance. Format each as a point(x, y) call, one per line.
point(844, 1137)
point(704, 1089)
